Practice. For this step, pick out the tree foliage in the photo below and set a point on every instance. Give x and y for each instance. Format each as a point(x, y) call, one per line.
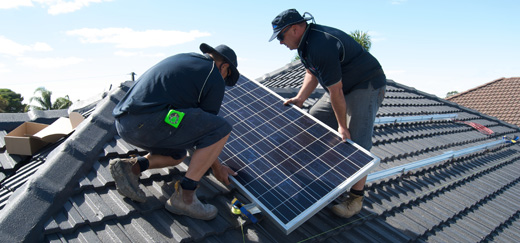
point(11, 102)
point(451, 93)
point(363, 38)
point(44, 100)
point(3, 104)
point(62, 103)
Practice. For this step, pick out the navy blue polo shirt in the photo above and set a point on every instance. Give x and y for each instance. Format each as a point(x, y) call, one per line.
point(332, 55)
point(187, 80)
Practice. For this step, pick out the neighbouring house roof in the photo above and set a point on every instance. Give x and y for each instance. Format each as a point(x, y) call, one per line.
point(66, 192)
point(499, 98)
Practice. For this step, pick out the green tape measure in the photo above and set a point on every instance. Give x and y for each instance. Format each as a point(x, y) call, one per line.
point(174, 118)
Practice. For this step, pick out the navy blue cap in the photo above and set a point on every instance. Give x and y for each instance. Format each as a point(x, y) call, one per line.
point(284, 19)
point(229, 55)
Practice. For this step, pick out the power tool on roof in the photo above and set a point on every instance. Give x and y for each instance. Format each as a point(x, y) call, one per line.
point(239, 208)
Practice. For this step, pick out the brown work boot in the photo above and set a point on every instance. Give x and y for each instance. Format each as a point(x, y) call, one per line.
point(127, 183)
point(185, 202)
point(349, 207)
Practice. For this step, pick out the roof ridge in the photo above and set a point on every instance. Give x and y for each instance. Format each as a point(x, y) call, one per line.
point(278, 71)
point(49, 188)
point(478, 87)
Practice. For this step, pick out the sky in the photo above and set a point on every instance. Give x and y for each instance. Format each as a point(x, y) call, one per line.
point(81, 48)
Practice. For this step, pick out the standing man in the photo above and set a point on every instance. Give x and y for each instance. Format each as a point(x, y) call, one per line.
point(173, 107)
point(352, 78)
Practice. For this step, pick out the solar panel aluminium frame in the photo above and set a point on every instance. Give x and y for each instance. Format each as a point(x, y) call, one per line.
point(287, 228)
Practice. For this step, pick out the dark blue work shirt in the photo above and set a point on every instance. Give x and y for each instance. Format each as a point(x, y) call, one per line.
point(187, 80)
point(332, 55)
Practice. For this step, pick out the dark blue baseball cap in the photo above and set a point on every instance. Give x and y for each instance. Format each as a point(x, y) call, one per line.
point(284, 19)
point(229, 56)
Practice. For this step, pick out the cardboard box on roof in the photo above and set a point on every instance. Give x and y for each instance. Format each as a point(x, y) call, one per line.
point(29, 137)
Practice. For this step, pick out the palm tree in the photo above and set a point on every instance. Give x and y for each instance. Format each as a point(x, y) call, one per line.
point(362, 38)
point(62, 103)
point(44, 100)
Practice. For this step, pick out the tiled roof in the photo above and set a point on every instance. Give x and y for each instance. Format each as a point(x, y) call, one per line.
point(499, 98)
point(66, 193)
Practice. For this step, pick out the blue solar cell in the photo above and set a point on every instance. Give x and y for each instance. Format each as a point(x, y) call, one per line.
point(358, 158)
point(333, 178)
point(331, 139)
point(240, 128)
point(278, 138)
point(290, 147)
point(245, 175)
point(270, 100)
point(317, 168)
point(316, 189)
point(303, 139)
point(286, 161)
point(261, 165)
point(266, 129)
point(271, 198)
point(317, 148)
point(258, 186)
point(237, 146)
point(316, 130)
point(263, 147)
point(291, 130)
point(248, 156)
point(274, 176)
point(304, 122)
point(303, 157)
point(250, 137)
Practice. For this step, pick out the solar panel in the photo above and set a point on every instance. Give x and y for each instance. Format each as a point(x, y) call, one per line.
point(289, 163)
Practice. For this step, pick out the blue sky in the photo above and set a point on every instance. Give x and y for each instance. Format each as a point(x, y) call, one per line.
point(81, 47)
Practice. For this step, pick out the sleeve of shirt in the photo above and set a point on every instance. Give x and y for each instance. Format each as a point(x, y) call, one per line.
point(326, 60)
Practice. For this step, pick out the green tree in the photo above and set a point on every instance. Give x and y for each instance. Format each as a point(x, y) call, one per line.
point(451, 93)
point(362, 38)
point(296, 57)
point(45, 103)
point(3, 104)
point(62, 103)
point(11, 102)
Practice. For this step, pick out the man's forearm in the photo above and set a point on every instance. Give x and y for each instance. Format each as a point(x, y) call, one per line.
point(310, 82)
point(339, 105)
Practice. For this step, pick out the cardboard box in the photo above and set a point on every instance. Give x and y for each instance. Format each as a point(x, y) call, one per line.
point(29, 137)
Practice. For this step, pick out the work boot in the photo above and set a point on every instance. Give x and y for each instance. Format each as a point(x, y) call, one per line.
point(349, 207)
point(127, 183)
point(185, 202)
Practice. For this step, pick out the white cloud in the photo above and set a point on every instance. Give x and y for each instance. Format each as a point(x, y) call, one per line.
point(8, 4)
point(49, 62)
point(12, 48)
point(61, 6)
point(54, 7)
point(128, 38)
point(40, 46)
point(3, 69)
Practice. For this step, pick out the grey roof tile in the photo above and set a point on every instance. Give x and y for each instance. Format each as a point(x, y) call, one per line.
point(470, 198)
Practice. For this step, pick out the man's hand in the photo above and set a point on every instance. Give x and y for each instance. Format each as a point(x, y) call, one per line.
point(345, 133)
point(294, 100)
point(222, 174)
